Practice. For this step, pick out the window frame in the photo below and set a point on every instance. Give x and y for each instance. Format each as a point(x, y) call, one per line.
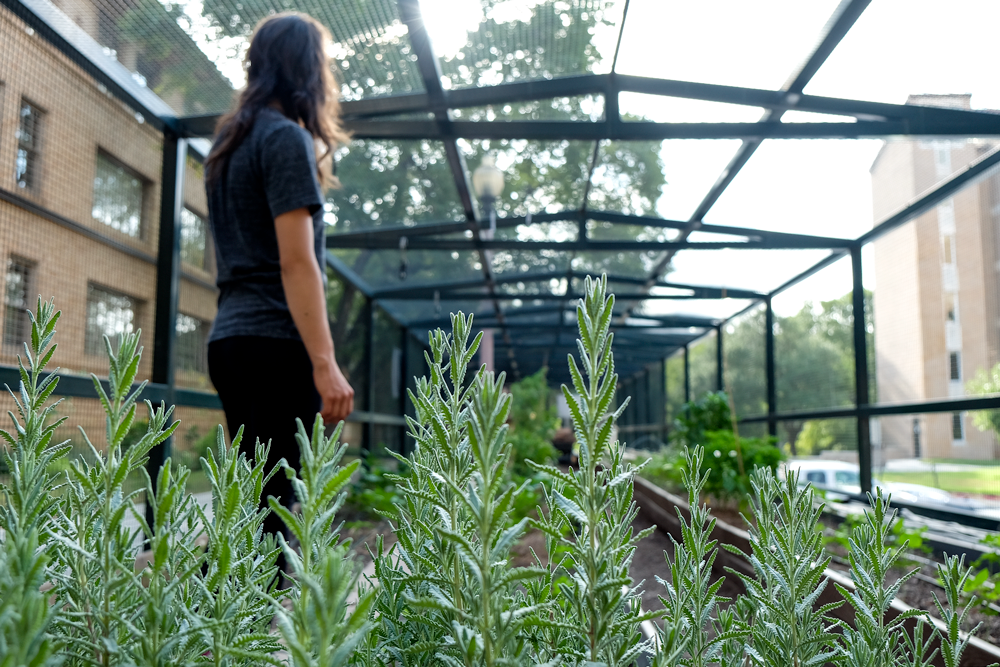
point(201, 356)
point(207, 234)
point(96, 349)
point(144, 186)
point(33, 169)
point(24, 322)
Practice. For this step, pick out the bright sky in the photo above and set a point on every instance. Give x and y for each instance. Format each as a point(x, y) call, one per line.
point(897, 48)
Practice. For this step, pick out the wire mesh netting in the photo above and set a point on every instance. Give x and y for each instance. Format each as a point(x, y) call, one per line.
point(814, 342)
point(745, 369)
point(703, 366)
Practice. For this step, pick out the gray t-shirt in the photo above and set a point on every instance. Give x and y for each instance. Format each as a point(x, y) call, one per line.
point(272, 172)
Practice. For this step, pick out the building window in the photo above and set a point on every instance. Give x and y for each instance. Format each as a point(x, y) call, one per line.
point(954, 366)
point(117, 196)
point(191, 344)
point(957, 430)
point(948, 250)
point(17, 299)
point(26, 168)
point(109, 314)
point(951, 307)
point(194, 238)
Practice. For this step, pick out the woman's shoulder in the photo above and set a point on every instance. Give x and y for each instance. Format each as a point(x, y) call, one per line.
point(272, 124)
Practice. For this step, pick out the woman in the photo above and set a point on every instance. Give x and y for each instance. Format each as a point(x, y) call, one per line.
point(270, 354)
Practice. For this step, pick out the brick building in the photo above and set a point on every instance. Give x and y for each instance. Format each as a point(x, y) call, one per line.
point(79, 210)
point(937, 290)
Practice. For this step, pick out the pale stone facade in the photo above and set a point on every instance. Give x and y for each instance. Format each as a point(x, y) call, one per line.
point(935, 305)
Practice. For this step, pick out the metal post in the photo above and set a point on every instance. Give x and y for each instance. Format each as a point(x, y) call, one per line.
point(168, 261)
point(404, 340)
point(720, 380)
point(687, 376)
point(368, 439)
point(772, 400)
point(861, 372)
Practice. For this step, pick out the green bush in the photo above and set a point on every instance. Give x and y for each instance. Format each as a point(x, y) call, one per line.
point(709, 413)
point(727, 483)
point(533, 422)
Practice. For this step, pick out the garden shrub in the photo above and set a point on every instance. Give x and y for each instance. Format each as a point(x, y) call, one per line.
point(727, 483)
point(74, 590)
point(696, 418)
point(533, 422)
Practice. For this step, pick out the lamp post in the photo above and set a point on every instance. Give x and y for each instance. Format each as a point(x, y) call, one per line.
point(487, 182)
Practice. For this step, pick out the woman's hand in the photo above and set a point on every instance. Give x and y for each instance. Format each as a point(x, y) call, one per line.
point(336, 392)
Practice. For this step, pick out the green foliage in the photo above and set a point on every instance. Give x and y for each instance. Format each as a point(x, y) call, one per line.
point(75, 587)
point(709, 413)
point(985, 383)
point(374, 493)
point(777, 622)
point(814, 363)
point(786, 552)
point(898, 534)
point(690, 635)
point(726, 483)
point(595, 612)
point(447, 591)
point(533, 421)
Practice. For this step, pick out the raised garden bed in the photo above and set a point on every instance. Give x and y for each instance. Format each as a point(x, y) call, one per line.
point(660, 507)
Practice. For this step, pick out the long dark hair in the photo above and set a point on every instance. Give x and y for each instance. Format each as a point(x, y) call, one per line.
point(287, 64)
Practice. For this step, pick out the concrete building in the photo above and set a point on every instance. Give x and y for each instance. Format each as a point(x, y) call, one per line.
point(79, 211)
point(937, 278)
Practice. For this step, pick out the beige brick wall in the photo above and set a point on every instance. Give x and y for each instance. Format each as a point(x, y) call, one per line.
point(80, 118)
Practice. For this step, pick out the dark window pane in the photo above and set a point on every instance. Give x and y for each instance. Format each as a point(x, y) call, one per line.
point(108, 314)
point(117, 197)
point(955, 367)
point(191, 344)
point(28, 144)
point(193, 238)
point(17, 299)
point(956, 426)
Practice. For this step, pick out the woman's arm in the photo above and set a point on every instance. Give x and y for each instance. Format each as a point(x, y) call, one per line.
point(303, 282)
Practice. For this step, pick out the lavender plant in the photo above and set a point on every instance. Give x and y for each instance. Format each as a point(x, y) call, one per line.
point(448, 593)
point(788, 559)
point(599, 604)
point(76, 587)
point(691, 633)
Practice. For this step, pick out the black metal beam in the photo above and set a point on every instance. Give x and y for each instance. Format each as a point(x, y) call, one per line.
point(861, 370)
point(843, 18)
point(609, 85)
point(549, 296)
point(687, 375)
point(425, 243)
point(168, 259)
point(772, 397)
point(720, 365)
point(964, 404)
point(430, 71)
point(925, 202)
point(168, 264)
point(982, 124)
point(430, 228)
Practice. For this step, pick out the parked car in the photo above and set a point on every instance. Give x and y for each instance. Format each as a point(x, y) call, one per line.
point(834, 476)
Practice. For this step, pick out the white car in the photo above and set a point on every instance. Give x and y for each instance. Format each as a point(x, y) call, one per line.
point(833, 476)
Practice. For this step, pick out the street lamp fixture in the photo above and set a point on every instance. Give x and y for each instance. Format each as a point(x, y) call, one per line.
point(487, 183)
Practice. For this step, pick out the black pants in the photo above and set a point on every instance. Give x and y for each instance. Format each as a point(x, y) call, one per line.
point(264, 384)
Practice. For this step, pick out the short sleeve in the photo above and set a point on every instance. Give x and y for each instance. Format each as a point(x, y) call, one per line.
point(288, 162)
